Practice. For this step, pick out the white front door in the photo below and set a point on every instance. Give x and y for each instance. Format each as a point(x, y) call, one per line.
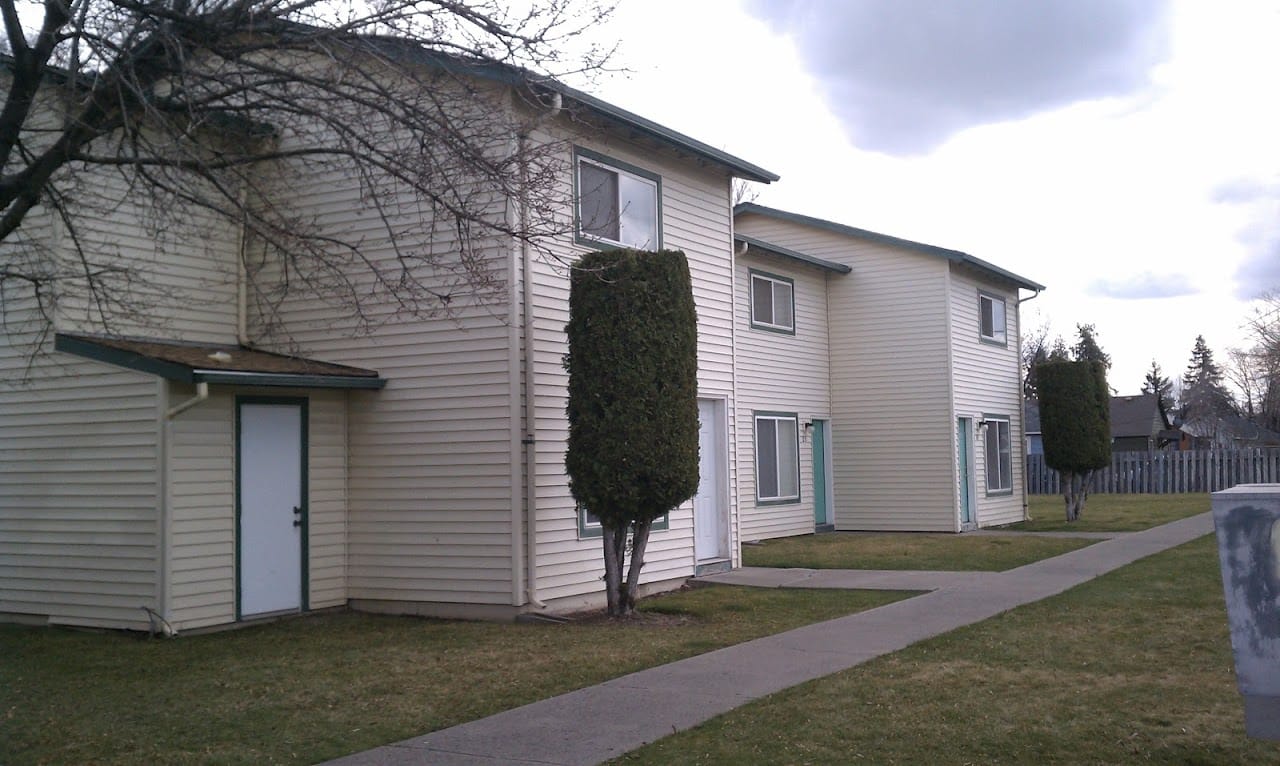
point(271, 514)
point(710, 505)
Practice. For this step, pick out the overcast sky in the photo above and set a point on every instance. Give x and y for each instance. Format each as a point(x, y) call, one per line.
point(1122, 152)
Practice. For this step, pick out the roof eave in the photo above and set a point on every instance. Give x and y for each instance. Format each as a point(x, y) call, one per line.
point(955, 256)
point(795, 255)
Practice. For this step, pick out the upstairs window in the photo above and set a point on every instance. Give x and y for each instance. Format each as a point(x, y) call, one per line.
point(999, 455)
point(772, 303)
point(991, 320)
point(617, 204)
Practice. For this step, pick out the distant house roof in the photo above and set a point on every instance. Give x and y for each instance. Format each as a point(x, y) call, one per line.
point(1134, 415)
point(1232, 428)
point(955, 256)
point(214, 363)
point(794, 255)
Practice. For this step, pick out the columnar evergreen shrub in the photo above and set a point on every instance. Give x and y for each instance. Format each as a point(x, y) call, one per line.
point(1075, 422)
point(633, 407)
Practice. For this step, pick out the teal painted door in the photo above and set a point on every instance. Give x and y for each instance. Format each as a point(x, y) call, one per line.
point(964, 465)
point(819, 438)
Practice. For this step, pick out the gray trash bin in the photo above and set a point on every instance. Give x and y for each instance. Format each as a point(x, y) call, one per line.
point(1247, 520)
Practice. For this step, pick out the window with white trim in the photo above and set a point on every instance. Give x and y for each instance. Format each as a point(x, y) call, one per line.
point(617, 205)
point(991, 318)
point(777, 458)
point(772, 302)
point(999, 455)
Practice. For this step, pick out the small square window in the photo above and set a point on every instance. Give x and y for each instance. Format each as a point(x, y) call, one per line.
point(991, 319)
point(617, 206)
point(777, 458)
point(772, 302)
point(999, 455)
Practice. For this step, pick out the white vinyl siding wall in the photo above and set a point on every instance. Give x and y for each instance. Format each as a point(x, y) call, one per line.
point(79, 525)
point(430, 455)
point(201, 522)
point(779, 372)
point(696, 220)
point(988, 381)
point(893, 457)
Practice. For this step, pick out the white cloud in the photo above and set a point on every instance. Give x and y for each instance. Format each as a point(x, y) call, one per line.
point(906, 75)
point(1142, 286)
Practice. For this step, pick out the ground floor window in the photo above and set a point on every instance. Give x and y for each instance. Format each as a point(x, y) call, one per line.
point(777, 457)
point(999, 456)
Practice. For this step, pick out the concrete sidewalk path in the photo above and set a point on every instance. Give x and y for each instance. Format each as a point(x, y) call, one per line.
point(597, 723)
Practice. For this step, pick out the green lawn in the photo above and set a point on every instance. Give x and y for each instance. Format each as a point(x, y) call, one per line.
point(304, 690)
point(1134, 667)
point(1112, 513)
point(906, 550)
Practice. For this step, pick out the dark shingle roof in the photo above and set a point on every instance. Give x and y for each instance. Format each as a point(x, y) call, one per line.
point(216, 363)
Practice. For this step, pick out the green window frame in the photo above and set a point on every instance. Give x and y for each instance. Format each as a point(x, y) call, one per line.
point(998, 454)
point(616, 204)
point(773, 302)
point(777, 445)
point(993, 319)
point(589, 526)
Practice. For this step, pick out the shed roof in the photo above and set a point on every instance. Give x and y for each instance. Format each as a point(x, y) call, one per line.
point(216, 363)
point(954, 256)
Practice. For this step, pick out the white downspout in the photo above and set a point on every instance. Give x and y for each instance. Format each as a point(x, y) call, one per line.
point(242, 276)
point(202, 393)
point(1026, 500)
point(530, 384)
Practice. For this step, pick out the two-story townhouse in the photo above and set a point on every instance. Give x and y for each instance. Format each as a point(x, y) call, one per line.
point(187, 468)
point(890, 385)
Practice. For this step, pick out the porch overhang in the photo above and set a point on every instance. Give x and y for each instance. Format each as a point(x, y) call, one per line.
point(218, 364)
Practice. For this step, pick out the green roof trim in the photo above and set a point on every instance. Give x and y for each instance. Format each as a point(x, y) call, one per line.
point(759, 244)
point(955, 256)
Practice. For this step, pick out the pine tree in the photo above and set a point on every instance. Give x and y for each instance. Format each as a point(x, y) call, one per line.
point(1204, 398)
point(1086, 348)
point(1156, 382)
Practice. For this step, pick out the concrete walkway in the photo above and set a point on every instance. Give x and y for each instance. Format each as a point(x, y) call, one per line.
point(595, 724)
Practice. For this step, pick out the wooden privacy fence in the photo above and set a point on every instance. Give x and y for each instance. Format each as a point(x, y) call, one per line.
point(1161, 473)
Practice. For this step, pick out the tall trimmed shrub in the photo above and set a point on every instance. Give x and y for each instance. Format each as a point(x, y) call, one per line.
point(633, 406)
point(1075, 423)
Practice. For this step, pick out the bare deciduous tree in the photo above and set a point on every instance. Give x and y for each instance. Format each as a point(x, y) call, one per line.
point(193, 107)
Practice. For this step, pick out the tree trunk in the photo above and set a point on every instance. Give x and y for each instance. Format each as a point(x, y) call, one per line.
point(639, 542)
point(1075, 491)
point(615, 541)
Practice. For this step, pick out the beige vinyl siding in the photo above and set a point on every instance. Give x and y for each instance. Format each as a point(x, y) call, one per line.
point(201, 504)
point(893, 462)
point(184, 261)
point(429, 457)
point(779, 372)
point(695, 220)
point(79, 525)
point(988, 381)
point(201, 521)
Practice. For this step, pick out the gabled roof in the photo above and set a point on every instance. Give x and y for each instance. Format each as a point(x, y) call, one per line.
point(214, 363)
point(758, 244)
point(1134, 415)
point(954, 256)
point(411, 51)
